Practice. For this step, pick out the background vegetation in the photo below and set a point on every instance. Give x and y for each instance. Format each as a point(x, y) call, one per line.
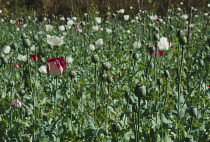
point(79, 7)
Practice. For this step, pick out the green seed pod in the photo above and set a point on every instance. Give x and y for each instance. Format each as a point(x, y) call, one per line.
point(180, 34)
point(155, 30)
point(26, 42)
point(22, 92)
point(135, 107)
point(159, 81)
point(72, 74)
point(5, 60)
point(82, 23)
point(23, 36)
point(201, 63)
point(14, 45)
point(12, 83)
point(189, 138)
point(129, 108)
point(116, 127)
point(135, 56)
point(156, 37)
point(94, 58)
point(182, 40)
point(106, 65)
point(109, 79)
point(35, 38)
point(193, 111)
point(140, 90)
point(166, 73)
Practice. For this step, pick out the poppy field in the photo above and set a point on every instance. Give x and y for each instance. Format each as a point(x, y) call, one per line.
point(120, 78)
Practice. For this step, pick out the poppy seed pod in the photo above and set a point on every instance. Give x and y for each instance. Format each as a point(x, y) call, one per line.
point(182, 40)
point(135, 56)
point(35, 38)
point(193, 111)
point(155, 30)
point(106, 65)
point(156, 37)
point(180, 34)
point(72, 74)
point(140, 90)
point(26, 42)
point(159, 81)
point(109, 79)
point(201, 63)
point(12, 83)
point(166, 73)
point(94, 58)
point(116, 127)
point(189, 138)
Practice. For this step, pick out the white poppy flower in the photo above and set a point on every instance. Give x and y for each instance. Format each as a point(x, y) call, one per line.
point(54, 40)
point(163, 44)
point(43, 69)
point(95, 28)
point(108, 30)
point(126, 17)
point(62, 28)
point(7, 50)
point(121, 11)
point(99, 42)
point(98, 20)
point(153, 17)
point(49, 27)
point(22, 57)
point(69, 59)
point(137, 44)
point(91, 47)
point(70, 22)
point(184, 16)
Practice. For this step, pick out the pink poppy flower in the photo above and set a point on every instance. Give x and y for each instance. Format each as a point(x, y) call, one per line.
point(18, 22)
point(15, 65)
point(159, 53)
point(56, 66)
point(78, 27)
point(35, 57)
point(16, 103)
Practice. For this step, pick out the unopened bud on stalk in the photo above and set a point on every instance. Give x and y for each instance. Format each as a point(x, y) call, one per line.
point(5, 60)
point(140, 90)
point(135, 56)
point(166, 73)
point(94, 58)
point(156, 37)
point(109, 79)
point(159, 81)
point(22, 92)
point(14, 45)
point(116, 127)
point(182, 40)
point(12, 83)
point(201, 63)
point(36, 38)
point(106, 65)
point(155, 30)
point(26, 42)
point(193, 111)
point(72, 74)
point(189, 138)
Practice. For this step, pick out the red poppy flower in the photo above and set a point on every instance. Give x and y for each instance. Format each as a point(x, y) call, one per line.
point(35, 57)
point(18, 22)
point(56, 66)
point(15, 65)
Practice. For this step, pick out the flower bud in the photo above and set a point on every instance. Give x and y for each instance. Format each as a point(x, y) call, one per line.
point(94, 58)
point(35, 38)
point(156, 37)
point(193, 111)
point(140, 90)
point(135, 56)
point(189, 138)
point(201, 63)
point(22, 92)
point(116, 127)
point(166, 73)
point(159, 81)
point(26, 42)
point(72, 74)
point(182, 40)
point(106, 65)
point(12, 83)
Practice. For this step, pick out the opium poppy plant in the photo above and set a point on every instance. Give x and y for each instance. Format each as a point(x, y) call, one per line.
point(56, 66)
point(35, 57)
